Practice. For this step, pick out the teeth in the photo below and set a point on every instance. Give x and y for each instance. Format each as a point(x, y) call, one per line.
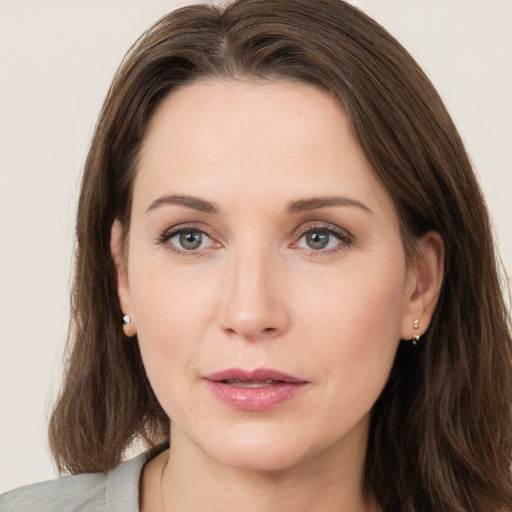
point(250, 383)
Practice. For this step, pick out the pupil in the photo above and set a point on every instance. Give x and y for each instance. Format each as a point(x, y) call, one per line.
point(317, 240)
point(191, 240)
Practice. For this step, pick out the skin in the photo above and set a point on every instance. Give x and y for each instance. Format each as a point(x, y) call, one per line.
point(257, 294)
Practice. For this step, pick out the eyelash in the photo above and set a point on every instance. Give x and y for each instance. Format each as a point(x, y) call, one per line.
point(344, 237)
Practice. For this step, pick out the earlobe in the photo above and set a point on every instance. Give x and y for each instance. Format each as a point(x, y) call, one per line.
point(122, 282)
point(424, 285)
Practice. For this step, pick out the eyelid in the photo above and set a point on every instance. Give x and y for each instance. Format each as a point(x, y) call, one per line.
point(332, 228)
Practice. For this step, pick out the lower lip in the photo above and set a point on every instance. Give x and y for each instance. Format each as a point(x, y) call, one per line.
point(255, 399)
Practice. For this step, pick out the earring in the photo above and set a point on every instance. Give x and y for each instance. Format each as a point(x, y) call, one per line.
point(129, 328)
point(415, 337)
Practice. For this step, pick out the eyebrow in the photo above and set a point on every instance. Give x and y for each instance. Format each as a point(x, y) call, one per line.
point(192, 202)
point(314, 203)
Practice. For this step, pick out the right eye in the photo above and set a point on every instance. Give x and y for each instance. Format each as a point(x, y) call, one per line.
point(186, 240)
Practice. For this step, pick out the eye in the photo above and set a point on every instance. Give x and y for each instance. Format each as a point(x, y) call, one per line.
point(190, 240)
point(326, 239)
point(186, 240)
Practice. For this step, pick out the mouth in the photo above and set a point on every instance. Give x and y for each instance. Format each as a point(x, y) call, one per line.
point(254, 390)
point(263, 375)
point(238, 383)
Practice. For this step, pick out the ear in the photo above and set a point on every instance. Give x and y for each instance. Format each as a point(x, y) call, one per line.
point(122, 282)
point(424, 280)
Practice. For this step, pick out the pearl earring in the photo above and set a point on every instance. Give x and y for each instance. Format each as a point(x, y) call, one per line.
point(416, 337)
point(129, 328)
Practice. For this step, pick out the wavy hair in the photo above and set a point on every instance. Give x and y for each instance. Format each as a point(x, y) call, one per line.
point(440, 435)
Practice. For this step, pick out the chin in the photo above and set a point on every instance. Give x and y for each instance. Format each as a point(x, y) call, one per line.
point(253, 448)
point(259, 459)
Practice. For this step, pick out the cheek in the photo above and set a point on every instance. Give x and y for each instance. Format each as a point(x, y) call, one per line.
point(172, 316)
point(355, 330)
point(167, 301)
point(365, 305)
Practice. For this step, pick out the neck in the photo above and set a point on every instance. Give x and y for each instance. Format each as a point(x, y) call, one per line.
point(192, 481)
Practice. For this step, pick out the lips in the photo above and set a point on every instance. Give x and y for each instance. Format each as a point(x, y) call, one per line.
point(257, 390)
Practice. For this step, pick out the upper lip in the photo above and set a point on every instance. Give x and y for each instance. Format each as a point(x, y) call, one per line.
point(259, 374)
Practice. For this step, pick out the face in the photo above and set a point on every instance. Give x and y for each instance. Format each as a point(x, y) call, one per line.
point(265, 273)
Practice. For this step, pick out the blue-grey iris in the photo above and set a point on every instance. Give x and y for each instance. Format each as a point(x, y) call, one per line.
point(317, 240)
point(191, 240)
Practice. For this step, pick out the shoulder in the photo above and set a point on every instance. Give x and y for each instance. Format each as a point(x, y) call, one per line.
point(95, 492)
point(68, 493)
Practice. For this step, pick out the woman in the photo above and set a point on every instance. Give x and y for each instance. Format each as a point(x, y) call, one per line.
point(284, 269)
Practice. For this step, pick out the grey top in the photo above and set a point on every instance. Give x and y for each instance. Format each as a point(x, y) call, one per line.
point(115, 491)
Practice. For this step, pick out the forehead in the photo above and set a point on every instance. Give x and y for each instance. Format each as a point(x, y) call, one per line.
point(278, 138)
point(218, 111)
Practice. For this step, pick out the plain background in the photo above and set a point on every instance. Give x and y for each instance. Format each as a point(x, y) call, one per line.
point(57, 59)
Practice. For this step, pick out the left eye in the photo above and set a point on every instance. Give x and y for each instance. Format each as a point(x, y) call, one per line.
point(189, 240)
point(319, 239)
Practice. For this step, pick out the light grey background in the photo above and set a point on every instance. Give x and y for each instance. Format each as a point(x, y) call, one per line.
point(57, 59)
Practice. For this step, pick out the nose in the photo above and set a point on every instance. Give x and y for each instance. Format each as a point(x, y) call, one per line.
point(254, 305)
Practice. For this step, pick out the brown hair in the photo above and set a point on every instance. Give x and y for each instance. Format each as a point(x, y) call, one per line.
point(440, 435)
